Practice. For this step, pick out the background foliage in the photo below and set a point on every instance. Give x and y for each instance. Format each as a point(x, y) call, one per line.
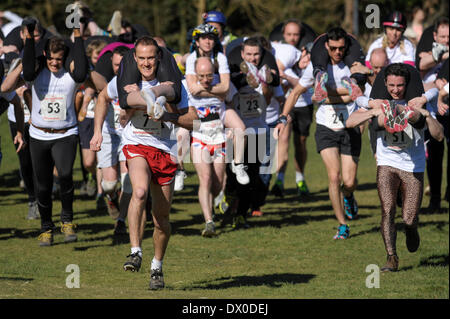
point(172, 18)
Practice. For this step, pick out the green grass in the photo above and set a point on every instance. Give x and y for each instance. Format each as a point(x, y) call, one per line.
point(288, 253)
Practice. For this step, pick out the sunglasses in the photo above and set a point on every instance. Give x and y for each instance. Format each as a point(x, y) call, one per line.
point(342, 49)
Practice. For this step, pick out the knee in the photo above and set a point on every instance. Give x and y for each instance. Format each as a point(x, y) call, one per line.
point(140, 194)
point(350, 184)
point(334, 179)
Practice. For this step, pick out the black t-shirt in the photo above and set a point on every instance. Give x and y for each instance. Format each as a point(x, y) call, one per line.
point(425, 43)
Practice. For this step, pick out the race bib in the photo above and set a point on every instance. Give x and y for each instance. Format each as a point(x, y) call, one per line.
point(251, 104)
point(399, 140)
point(143, 125)
point(335, 116)
point(115, 119)
point(54, 108)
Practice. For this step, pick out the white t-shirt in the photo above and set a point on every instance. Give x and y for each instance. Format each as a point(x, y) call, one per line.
point(332, 116)
point(395, 55)
point(287, 54)
point(157, 134)
point(53, 96)
point(305, 98)
point(221, 60)
point(11, 116)
point(211, 113)
point(403, 150)
point(273, 109)
point(111, 125)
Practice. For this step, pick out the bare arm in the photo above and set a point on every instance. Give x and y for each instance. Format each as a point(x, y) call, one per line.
point(13, 80)
point(99, 81)
point(360, 116)
point(101, 109)
point(18, 113)
point(185, 120)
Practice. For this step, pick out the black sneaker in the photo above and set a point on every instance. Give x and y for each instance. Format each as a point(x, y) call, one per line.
point(412, 239)
point(133, 263)
point(120, 228)
point(156, 279)
point(278, 189)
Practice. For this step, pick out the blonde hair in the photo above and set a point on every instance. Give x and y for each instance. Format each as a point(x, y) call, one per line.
point(402, 43)
point(95, 46)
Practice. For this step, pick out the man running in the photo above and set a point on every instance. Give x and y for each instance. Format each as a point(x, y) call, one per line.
point(337, 145)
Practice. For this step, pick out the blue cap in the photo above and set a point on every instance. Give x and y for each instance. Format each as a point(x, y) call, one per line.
point(215, 16)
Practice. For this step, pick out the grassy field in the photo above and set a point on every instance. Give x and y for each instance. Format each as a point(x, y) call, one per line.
point(289, 253)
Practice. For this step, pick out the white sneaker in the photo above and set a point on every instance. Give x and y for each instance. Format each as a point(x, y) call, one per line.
point(241, 174)
point(179, 180)
point(218, 199)
point(149, 97)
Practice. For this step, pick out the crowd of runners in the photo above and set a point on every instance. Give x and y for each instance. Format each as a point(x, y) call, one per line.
point(137, 111)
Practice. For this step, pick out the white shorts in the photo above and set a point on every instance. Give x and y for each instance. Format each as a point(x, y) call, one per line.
point(108, 156)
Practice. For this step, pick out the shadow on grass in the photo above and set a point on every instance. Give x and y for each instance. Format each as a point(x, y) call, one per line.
point(16, 279)
point(273, 281)
point(435, 260)
point(401, 227)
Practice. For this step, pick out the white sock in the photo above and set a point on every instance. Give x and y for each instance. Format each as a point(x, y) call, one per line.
point(280, 177)
point(136, 250)
point(156, 264)
point(299, 177)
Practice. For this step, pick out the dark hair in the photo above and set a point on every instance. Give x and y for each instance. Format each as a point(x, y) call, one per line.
point(55, 44)
point(147, 40)
point(252, 42)
point(296, 21)
point(440, 21)
point(397, 69)
point(336, 33)
point(263, 41)
point(120, 50)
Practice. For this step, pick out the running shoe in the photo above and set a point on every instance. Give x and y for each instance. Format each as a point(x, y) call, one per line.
point(116, 23)
point(218, 199)
point(239, 222)
point(150, 98)
point(391, 264)
point(302, 189)
point(100, 203)
point(401, 119)
point(120, 228)
point(33, 211)
point(210, 230)
point(241, 175)
point(257, 213)
point(68, 229)
point(224, 205)
point(320, 89)
point(342, 233)
point(412, 239)
point(83, 190)
point(278, 189)
point(46, 238)
point(133, 263)
point(350, 207)
point(156, 279)
point(180, 176)
point(353, 89)
point(113, 205)
point(91, 186)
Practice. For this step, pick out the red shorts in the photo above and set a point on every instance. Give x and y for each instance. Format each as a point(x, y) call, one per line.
point(215, 150)
point(161, 166)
